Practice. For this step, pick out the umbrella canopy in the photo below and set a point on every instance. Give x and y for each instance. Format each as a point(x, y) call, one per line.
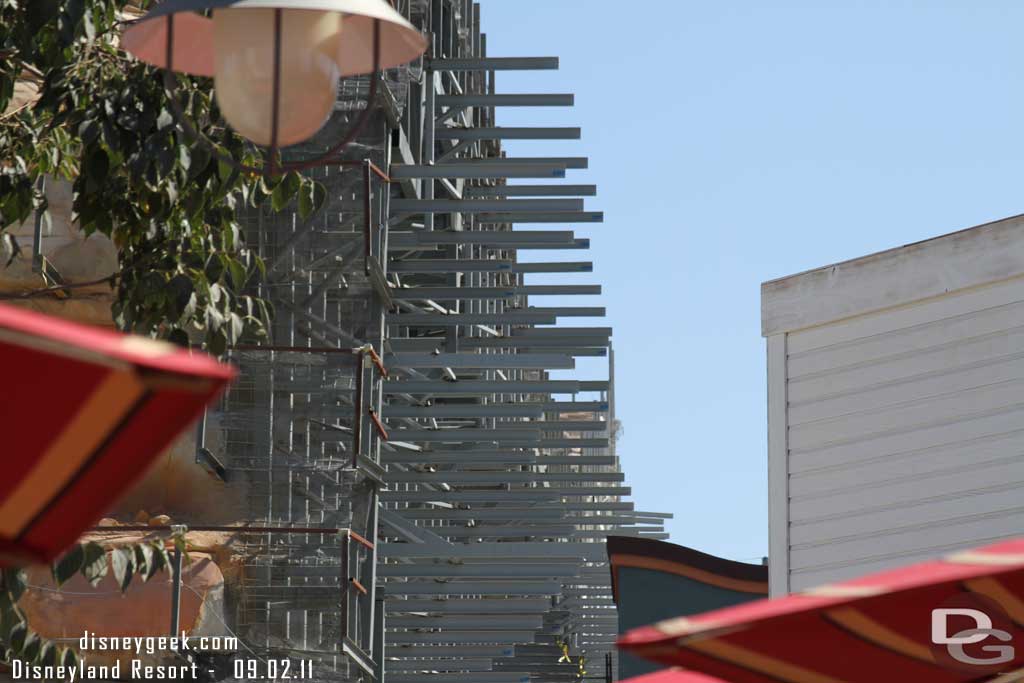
point(953, 620)
point(83, 412)
point(673, 675)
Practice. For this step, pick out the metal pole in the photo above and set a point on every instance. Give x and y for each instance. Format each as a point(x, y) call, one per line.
point(344, 587)
point(357, 426)
point(368, 211)
point(176, 592)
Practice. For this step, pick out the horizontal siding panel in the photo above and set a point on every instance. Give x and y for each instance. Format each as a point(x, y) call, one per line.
point(904, 341)
point(906, 417)
point(938, 500)
point(809, 577)
point(944, 359)
point(964, 533)
point(920, 463)
point(901, 442)
point(923, 313)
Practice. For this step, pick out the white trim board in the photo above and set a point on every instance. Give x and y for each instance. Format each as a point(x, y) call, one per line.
point(973, 257)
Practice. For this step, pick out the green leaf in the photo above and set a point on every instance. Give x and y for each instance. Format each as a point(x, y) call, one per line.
point(11, 248)
point(89, 24)
point(165, 119)
point(158, 560)
point(16, 638)
point(285, 191)
point(238, 274)
point(200, 160)
point(306, 200)
point(94, 563)
point(89, 130)
point(123, 561)
point(143, 559)
point(40, 12)
point(30, 649)
point(184, 157)
point(216, 343)
point(96, 168)
point(319, 196)
point(69, 658)
point(48, 653)
point(14, 582)
point(236, 328)
point(69, 565)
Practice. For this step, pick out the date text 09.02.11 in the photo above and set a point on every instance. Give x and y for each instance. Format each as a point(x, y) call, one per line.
point(272, 669)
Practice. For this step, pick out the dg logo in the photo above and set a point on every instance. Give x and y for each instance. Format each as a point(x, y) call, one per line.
point(971, 632)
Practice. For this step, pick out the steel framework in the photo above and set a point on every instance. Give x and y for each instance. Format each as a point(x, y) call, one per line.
point(406, 394)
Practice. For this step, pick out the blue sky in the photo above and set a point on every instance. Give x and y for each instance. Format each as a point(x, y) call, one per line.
point(736, 142)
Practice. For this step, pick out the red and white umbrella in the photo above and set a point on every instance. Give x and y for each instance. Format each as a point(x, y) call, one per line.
point(83, 412)
point(953, 620)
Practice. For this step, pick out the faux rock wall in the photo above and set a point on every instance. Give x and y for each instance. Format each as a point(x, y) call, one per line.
point(75, 257)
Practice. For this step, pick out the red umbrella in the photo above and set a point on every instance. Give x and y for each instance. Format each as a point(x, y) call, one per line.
point(83, 412)
point(952, 620)
point(673, 675)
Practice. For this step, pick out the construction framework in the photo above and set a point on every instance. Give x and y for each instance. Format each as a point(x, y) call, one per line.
point(407, 396)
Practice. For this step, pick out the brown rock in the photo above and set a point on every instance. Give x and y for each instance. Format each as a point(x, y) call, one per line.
point(142, 517)
point(159, 520)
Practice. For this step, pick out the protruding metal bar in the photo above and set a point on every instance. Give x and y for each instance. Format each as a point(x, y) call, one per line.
point(484, 205)
point(449, 319)
point(494, 64)
point(477, 171)
point(564, 162)
point(553, 217)
point(531, 191)
point(475, 360)
point(507, 100)
point(471, 410)
point(487, 266)
point(474, 387)
point(500, 238)
point(508, 133)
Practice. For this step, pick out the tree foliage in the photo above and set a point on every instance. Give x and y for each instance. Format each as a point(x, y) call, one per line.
point(104, 122)
point(92, 561)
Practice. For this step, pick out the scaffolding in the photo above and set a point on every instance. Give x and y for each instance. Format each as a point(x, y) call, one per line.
point(406, 396)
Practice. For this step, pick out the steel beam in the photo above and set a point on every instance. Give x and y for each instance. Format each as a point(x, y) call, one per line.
point(508, 133)
point(486, 478)
point(479, 360)
point(484, 205)
point(551, 217)
point(564, 162)
point(466, 410)
point(476, 171)
point(462, 435)
point(506, 100)
point(497, 191)
point(502, 587)
point(475, 387)
point(504, 622)
point(493, 64)
point(445, 605)
point(497, 551)
point(425, 237)
point(481, 571)
point(451, 319)
point(508, 495)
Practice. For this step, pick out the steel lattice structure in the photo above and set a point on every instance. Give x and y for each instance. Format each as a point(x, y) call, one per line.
point(407, 396)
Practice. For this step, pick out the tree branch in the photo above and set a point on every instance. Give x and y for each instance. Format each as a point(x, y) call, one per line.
point(60, 288)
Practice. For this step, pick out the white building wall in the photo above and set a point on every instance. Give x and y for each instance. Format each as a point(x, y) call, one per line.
point(896, 406)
